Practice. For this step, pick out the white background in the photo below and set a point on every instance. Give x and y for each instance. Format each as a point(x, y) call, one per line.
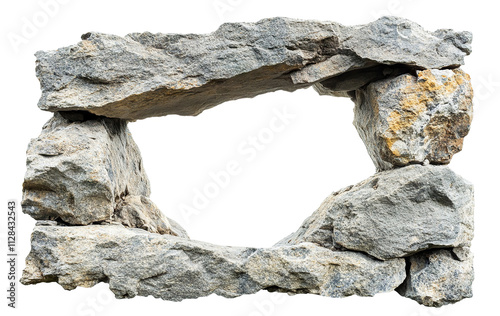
point(318, 152)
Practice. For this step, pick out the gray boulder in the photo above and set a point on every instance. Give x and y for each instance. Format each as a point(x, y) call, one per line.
point(143, 74)
point(411, 119)
point(135, 262)
point(439, 277)
point(87, 171)
point(394, 214)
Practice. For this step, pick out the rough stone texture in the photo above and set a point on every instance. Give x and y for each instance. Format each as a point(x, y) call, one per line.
point(135, 262)
point(406, 228)
point(394, 213)
point(82, 172)
point(409, 119)
point(144, 74)
point(439, 277)
point(309, 268)
point(141, 212)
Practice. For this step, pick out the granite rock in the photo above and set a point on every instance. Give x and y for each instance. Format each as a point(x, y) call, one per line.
point(143, 74)
point(411, 119)
point(141, 212)
point(439, 277)
point(407, 228)
point(309, 268)
point(86, 171)
point(136, 262)
point(394, 213)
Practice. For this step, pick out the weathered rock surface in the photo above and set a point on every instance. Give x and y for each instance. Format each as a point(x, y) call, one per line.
point(135, 262)
point(410, 119)
point(141, 212)
point(144, 74)
point(439, 277)
point(394, 213)
point(407, 228)
point(82, 172)
point(309, 268)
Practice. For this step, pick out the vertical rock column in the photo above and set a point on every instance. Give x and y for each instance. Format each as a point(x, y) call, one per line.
point(87, 169)
point(422, 118)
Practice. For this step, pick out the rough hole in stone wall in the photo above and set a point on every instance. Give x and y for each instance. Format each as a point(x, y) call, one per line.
point(406, 228)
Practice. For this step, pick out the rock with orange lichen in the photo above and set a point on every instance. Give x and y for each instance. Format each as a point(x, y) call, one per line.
point(413, 118)
point(439, 277)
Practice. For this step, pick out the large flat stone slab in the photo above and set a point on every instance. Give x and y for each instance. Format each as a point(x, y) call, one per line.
point(136, 262)
point(143, 74)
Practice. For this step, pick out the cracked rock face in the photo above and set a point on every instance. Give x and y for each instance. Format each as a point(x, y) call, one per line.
point(410, 119)
point(439, 277)
point(135, 262)
point(144, 74)
point(394, 214)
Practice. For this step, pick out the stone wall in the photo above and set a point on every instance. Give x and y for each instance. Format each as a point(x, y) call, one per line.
point(407, 228)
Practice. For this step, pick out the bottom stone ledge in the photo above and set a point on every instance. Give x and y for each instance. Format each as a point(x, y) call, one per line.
point(136, 262)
